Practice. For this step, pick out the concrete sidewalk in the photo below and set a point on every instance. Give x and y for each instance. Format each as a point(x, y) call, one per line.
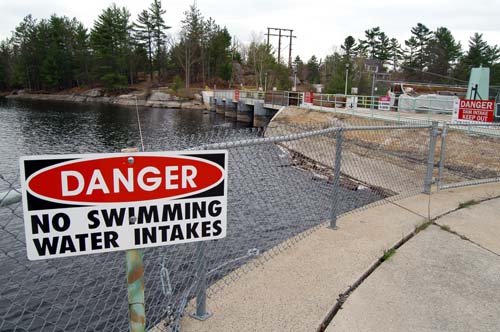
point(438, 281)
point(295, 290)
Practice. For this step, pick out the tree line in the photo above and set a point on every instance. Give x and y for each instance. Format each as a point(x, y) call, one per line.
point(60, 53)
point(427, 56)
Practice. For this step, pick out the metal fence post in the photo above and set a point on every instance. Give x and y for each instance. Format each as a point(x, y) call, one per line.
point(135, 279)
point(442, 155)
point(336, 178)
point(201, 312)
point(135, 290)
point(430, 159)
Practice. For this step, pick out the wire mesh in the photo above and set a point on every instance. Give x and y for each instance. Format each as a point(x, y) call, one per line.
point(280, 190)
point(470, 155)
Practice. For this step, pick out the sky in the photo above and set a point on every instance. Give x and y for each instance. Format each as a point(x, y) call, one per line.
point(320, 26)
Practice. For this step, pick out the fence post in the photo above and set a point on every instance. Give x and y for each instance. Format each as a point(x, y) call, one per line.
point(442, 155)
point(135, 290)
point(201, 312)
point(430, 159)
point(336, 177)
point(135, 279)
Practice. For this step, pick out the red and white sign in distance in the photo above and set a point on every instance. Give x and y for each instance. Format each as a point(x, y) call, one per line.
point(309, 97)
point(466, 110)
point(236, 95)
point(82, 204)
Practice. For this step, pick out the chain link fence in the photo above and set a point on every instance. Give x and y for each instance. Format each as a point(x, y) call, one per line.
point(283, 184)
point(469, 154)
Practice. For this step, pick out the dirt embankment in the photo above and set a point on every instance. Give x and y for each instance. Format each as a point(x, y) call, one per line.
point(395, 159)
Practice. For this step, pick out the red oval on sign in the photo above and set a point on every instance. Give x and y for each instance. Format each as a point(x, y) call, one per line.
point(115, 180)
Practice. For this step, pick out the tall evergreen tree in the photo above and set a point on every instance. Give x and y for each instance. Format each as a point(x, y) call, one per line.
point(383, 52)
point(349, 47)
point(444, 51)
point(479, 53)
point(422, 35)
point(143, 29)
point(111, 43)
point(372, 43)
point(395, 53)
point(159, 27)
point(313, 75)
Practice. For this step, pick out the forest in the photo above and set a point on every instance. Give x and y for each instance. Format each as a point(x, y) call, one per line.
point(119, 52)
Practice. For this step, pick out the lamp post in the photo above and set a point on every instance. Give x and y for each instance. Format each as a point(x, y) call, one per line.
point(295, 80)
point(265, 81)
point(346, 77)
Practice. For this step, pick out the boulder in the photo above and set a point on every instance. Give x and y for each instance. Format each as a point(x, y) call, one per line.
point(197, 97)
point(159, 96)
point(94, 93)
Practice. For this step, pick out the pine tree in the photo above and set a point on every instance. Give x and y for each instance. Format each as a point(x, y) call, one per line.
point(443, 51)
point(479, 53)
point(395, 53)
point(158, 27)
point(349, 47)
point(143, 30)
point(371, 44)
point(111, 42)
point(422, 35)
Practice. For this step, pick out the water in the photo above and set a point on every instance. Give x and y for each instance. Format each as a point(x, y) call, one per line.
point(35, 127)
point(269, 201)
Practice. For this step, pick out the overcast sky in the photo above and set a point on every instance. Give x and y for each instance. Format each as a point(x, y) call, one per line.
point(320, 26)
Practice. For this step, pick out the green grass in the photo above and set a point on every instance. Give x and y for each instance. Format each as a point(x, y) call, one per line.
point(422, 227)
point(388, 254)
point(467, 204)
point(446, 228)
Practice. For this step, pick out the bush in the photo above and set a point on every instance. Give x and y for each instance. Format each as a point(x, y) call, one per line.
point(177, 83)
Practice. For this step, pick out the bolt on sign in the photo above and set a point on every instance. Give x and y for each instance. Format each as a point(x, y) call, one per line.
point(466, 110)
point(94, 203)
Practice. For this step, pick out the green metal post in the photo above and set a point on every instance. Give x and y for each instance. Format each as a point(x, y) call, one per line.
point(135, 290)
point(135, 279)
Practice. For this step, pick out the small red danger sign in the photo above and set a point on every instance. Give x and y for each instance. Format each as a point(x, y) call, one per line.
point(309, 97)
point(466, 110)
point(82, 204)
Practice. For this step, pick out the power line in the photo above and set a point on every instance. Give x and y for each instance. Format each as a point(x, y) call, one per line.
point(434, 74)
point(280, 35)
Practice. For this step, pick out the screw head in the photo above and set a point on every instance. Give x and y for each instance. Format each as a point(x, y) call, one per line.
point(132, 220)
point(130, 160)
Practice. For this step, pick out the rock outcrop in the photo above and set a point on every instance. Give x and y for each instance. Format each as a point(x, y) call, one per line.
point(157, 99)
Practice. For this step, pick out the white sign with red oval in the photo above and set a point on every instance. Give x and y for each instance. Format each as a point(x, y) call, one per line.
point(94, 203)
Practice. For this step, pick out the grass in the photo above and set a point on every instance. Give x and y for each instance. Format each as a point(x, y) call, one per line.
point(446, 228)
point(388, 254)
point(422, 226)
point(467, 204)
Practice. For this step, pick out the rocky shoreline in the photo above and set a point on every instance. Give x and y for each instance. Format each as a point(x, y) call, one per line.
point(156, 99)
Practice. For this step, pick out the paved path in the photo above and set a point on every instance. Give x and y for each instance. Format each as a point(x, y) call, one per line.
point(437, 281)
point(295, 290)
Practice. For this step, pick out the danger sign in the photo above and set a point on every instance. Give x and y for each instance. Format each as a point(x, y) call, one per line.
point(308, 97)
point(84, 204)
point(465, 110)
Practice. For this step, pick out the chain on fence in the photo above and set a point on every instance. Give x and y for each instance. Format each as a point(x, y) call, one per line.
point(283, 184)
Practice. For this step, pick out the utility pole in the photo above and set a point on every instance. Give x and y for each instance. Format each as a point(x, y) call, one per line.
point(280, 35)
point(279, 46)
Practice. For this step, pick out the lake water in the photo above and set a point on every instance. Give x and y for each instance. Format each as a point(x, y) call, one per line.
point(270, 199)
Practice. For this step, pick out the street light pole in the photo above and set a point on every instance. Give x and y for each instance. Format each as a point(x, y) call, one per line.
point(346, 77)
point(294, 80)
